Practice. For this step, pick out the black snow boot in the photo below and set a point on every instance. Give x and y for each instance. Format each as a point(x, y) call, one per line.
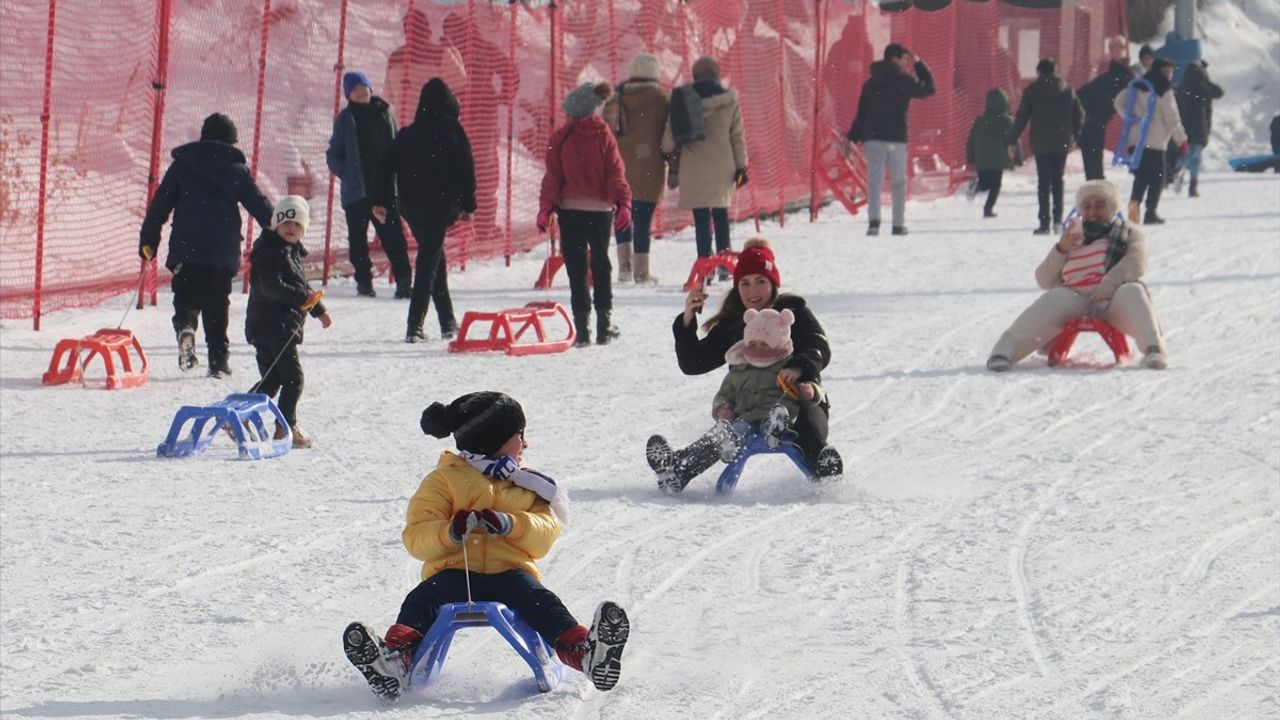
point(218, 362)
point(582, 329)
point(187, 349)
point(676, 468)
point(1192, 191)
point(605, 330)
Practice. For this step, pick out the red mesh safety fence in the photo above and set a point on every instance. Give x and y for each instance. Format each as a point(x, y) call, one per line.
point(275, 69)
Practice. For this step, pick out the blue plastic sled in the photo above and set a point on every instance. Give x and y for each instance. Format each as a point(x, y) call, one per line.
point(547, 668)
point(240, 413)
point(1122, 155)
point(754, 444)
point(1254, 163)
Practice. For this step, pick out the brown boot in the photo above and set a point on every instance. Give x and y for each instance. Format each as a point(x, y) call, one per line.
point(1134, 209)
point(640, 261)
point(624, 262)
point(300, 441)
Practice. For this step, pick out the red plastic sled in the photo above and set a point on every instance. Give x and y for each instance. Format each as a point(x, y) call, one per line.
point(103, 342)
point(705, 267)
point(1061, 346)
point(507, 330)
point(845, 175)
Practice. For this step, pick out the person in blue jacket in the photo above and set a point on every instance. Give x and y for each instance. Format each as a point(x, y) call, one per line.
point(362, 132)
point(203, 189)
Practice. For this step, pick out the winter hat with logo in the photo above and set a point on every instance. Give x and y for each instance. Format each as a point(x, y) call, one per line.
point(766, 339)
point(756, 258)
point(644, 66)
point(1100, 188)
point(218, 128)
point(480, 422)
point(586, 99)
point(291, 207)
point(352, 80)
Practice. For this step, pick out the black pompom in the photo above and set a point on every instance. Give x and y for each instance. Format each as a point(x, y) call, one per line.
point(435, 421)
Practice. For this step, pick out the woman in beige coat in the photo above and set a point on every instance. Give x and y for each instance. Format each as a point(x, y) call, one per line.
point(1166, 124)
point(637, 113)
point(711, 166)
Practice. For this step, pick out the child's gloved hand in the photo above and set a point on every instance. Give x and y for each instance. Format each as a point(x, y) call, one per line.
point(464, 521)
point(313, 297)
point(494, 522)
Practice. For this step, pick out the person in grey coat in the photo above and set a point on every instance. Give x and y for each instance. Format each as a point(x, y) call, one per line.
point(1056, 117)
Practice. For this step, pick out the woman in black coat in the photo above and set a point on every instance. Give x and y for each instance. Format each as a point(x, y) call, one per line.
point(431, 165)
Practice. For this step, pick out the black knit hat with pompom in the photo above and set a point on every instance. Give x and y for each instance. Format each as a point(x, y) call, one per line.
point(480, 422)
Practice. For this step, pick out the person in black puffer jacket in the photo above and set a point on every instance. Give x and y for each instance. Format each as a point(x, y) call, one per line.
point(430, 166)
point(1195, 98)
point(204, 189)
point(1056, 117)
point(1097, 97)
point(279, 300)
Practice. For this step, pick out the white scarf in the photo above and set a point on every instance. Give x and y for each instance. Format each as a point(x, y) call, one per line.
point(504, 467)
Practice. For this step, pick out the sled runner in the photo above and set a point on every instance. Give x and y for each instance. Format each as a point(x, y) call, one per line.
point(1061, 346)
point(541, 658)
point(705, 267)
point(243, 415)
point(1123, 155)
point(104, 343)
point(508, 328)
point(754, 444)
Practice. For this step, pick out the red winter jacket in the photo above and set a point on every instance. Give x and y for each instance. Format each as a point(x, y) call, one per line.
point(584, 168)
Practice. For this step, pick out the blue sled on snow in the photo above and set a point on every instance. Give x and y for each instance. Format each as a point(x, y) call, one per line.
point(1255, 163)
point(241, 414)
point(1124, 155)
point(541, 658)
point(754, 444)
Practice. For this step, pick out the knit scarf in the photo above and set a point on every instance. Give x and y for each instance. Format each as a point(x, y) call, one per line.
point(504, 467)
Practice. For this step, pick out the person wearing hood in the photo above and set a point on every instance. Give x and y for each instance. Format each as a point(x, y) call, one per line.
point(362, 132)
point(637, 114)
point(881, 127)
point(585, 185)
point(1097, 96)
point(1165, 125)
point(987, 150)
point(204, 188)
point(1095, 269)
point(1195, 98)
point(429, 169)
point(280, 298)
point(1056, 117)
point(704, 126)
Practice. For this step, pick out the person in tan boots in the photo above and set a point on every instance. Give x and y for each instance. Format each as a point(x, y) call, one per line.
point(1094, 269)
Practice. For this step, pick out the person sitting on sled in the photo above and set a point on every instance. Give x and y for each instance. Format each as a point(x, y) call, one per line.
point(1094, 269)
point(508, 516)
point(755, 287)
point(752, 398)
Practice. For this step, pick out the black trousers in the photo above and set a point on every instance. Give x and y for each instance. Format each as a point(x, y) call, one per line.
point(431, 275)
point(703, 220)
point(1149, 179)
point(533, 602)
point(580, 231)
point(284, 377)
point(359, 215)
point(990, 180)
point(204, 290)
point(1093, 138)
point(1049, 170)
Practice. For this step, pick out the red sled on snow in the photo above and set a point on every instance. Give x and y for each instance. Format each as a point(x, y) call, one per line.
point(1114, 339)
point(508, 330)
point(105, 343)
point(705, 267)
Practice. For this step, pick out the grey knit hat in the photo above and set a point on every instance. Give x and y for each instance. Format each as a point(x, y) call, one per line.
point(586, 99)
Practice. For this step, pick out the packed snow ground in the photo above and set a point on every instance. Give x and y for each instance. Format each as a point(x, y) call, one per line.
point(1049, 543)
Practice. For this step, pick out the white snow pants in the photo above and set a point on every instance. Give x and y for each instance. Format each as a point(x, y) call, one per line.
point(878, 152)
point(1130, 312)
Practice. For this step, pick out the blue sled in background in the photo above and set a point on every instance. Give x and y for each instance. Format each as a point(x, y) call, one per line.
point(1255, 163)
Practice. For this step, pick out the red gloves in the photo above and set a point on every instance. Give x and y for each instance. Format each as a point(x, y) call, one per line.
point(544, 219)
point(622, 218)
point(490, 521)
point(1184, 148)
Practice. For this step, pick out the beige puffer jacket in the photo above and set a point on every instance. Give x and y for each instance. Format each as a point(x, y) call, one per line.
point(707, 166)
point(644, 108)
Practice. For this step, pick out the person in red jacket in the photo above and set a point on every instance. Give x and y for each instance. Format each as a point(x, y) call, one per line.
point(585, 185)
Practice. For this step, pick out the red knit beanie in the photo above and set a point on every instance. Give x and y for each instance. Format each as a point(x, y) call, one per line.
point(756, 258)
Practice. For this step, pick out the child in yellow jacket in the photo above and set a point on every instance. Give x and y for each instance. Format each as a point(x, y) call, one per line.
point(507, 516)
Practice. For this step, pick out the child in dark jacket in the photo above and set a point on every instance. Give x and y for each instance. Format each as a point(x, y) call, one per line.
point(279, 300)
point(988, 148)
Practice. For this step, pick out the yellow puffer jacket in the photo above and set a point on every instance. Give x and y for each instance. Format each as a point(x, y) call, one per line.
point(454, 485)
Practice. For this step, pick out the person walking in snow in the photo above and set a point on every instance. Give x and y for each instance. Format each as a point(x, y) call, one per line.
point(1094, 269)
point(1165, 125)
point(430, 169)
point(756, 280)
point(637, 114)
point(280, 298)
point(881, 127)
point(479, 522)
point(204, 189)
point(1056, 117)
point(1097, 97)
point(585, 185)
point(1195, 98)
point(362, 132)
point(988, 150)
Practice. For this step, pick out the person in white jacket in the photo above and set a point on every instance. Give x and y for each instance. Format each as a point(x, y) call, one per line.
point(1166, 124)
point(1094, 269)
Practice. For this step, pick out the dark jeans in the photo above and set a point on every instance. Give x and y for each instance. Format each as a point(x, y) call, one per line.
point(990, 180)
point(359, 215)
point(284, 377)
point(537, 605)
point(812, 428)
point(431, 276)
point(204, 290)
point(703, 218)
point(1049, 169)
point(641, 222)
point(1093, 138)
point(1149, 178)
point(581, 230)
